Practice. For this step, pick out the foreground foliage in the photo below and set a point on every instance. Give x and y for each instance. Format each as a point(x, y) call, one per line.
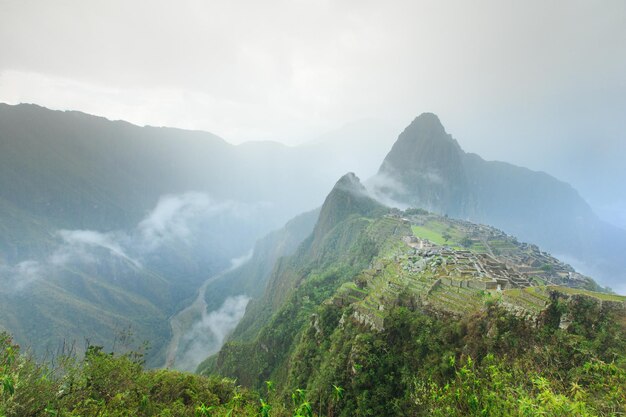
point(103, 384)
point(490, 364)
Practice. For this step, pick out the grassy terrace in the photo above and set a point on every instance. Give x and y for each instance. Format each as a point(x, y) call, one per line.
point(385, 285)
point(502, 245)
point(458, 300)
point(395, 276)
point(599, 295)
point(437, 232)
point(531, 298)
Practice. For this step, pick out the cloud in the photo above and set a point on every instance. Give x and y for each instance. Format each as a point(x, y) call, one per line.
point(171, 218)
point(19, 276)
point(78, 246)
point(176, 217)
point(505, 81)
point(382, 187)
point(237, 262)
point(207, 335)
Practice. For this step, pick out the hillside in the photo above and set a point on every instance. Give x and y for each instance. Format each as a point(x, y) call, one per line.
point(201, 326)
point(120, 224)
point(427, 168)
point(395, 306)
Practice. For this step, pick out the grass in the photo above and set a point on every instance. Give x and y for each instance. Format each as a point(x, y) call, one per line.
point(351, 286)
point(599, 295)
point(434, 232)
point(531, 298)
point(500, 244)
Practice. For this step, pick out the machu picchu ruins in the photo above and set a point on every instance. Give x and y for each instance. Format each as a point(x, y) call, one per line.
point(454, 267)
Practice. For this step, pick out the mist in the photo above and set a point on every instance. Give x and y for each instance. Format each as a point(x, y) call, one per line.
point(535, 84)
point(382, 187)
point(240, 260)
point(81, 246)
point(207, 335)
point(176, 218)
point(585, 268)
point(21, 275)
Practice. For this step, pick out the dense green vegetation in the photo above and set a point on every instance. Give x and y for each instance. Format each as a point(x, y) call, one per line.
point(318, 280)
point(72, 171)
point(490, 364)
point(353, 331)
point(104, 384)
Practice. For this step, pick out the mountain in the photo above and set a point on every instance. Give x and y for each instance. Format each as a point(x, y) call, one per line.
point(120, 224)
point(200, 328)
point(392, 307)
point(254, 277)
point(79, 171)
point(427, 168)
point(337, 228)
point(340, 228)
point(383, 312)
point(251, 277)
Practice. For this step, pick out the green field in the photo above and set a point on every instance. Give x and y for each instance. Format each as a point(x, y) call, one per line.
point(435, 231)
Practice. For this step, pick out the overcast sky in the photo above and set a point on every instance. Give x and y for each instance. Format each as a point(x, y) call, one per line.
point(537, 83)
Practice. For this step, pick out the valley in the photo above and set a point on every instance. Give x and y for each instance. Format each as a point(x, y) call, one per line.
point(181, 321)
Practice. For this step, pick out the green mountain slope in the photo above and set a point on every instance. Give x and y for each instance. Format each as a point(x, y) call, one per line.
point(199, 329)
point(251, 277)
point(89, 205)
point(345, 227)
point(394, 307)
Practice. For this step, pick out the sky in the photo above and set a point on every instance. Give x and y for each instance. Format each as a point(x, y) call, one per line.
point(537, 83)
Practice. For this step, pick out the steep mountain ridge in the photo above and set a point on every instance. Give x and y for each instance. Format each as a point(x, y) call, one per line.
point(342, 243)
point(387, 313)
point(338, 227)
point(251, 277)
point(430, 160)
point(347, 198)
point(194, 336)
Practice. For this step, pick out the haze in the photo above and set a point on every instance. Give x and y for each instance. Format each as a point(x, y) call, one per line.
point(539, 84)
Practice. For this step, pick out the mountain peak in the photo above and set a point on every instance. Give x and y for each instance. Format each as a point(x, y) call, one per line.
point(350, 182)
point(347, 197)
point(424, 145)
point(427, 123)
point(429, 159)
